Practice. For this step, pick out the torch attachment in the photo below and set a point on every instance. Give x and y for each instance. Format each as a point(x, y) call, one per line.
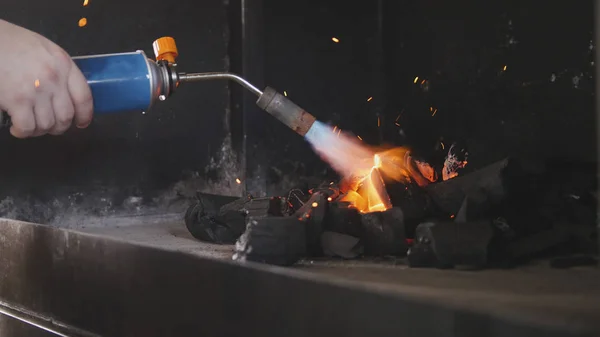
point(286, 111)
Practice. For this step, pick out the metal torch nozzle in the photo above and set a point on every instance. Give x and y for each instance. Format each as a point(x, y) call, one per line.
point(196, 77)
point(269, 100)
point(286, 111)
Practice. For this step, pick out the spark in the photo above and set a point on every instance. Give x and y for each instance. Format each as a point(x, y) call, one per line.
point(399, 115)
point(358, 137)
point(452, 216)
point(82, 22)
point(434, 112)
point(339, 131)
point(36, 83)
point(315, 204)
point(369, 99)
point(416, 79)
point(504, 69)
point(443, 146)
point(329, 199)
point(334, 128)
point(331, 183)
point(378, 122)
point(397, 124)
point(335, 39)
point(85, 2)
point(285, 93)
point(237, 180)
point(423, 82)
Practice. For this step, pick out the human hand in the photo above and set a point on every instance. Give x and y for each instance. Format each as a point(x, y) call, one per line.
point(41, 88)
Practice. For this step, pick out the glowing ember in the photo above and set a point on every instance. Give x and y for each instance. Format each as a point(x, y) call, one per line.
point(452, 164)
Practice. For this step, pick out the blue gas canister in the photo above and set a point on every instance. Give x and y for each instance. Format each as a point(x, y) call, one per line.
point(130, 81)
point(121, 82)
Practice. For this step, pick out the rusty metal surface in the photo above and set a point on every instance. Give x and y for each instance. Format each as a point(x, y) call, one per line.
point(116, 288)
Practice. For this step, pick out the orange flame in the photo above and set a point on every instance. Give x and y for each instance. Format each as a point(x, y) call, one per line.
point(370, 194)
point(364, 168)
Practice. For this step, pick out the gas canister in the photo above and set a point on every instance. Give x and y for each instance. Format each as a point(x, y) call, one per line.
point(130, 81)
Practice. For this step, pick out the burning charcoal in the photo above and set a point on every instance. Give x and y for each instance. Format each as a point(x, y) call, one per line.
point(482, 186)
point(272, 240)
point(206, 223)
point(313, 213)
point(384, 233)
point(331, 191)
point(342, 245)
point(296, 198)
point(463, 245)
point(455, 160)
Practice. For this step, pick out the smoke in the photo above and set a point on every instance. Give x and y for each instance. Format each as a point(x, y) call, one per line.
point(342, 151)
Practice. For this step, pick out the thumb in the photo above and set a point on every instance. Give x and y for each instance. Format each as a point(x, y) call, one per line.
point(81, 96)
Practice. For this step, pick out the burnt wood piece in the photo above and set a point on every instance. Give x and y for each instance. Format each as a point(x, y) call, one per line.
point(272, 240)
point(208, 221)
point(482, 186)
point(451, 244)
point(313, 213)
point(384, 233)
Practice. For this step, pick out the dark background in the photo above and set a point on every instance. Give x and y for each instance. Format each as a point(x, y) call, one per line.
point(209, 134)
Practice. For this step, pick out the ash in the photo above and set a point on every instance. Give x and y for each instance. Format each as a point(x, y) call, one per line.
point(68, 207)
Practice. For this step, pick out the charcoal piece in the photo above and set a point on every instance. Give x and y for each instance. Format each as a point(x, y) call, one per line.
point(272, 240)
point(459, 245)
point(568, 238)
point(484, 186)
point(422, 255)
point(341, 245)
point(564, 262)
point(384, 233)
point(270, 206)
point(330, 190)
point(341, 218)
point(414, 202)
point(313, 213)
point(296, 198)
point(206, 223)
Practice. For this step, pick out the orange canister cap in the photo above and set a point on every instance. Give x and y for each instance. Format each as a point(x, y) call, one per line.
point(165, 49)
